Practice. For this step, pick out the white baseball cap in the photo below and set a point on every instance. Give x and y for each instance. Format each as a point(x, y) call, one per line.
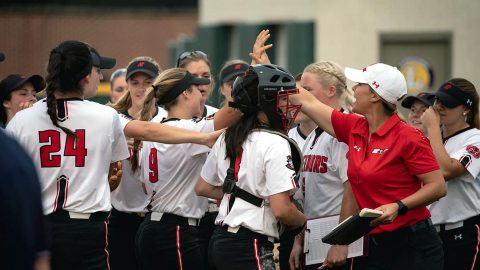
point(387, 81)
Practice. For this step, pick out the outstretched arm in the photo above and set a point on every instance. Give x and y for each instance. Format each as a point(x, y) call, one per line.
point(148, 131)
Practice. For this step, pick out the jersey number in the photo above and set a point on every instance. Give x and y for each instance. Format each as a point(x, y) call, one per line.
point(153, 166)
point(73, 147)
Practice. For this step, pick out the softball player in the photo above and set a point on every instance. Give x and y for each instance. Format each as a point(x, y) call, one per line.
point(258, 172)
point(417, 105)
point(72, 142)
point(170, 232)
point(197, 63)
point(129, 201)
point(456, 147)
point(324, 173)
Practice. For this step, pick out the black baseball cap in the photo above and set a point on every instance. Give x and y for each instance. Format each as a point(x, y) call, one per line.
point(425, 98)
point(101, 61)
point(142, 66)
point(452, 96)
point(2, 56)
point(232, 71)
point(15, 81)
point(181, 86)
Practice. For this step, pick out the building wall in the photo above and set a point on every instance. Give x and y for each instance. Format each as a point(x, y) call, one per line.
point(348, 31)
point(28, 36)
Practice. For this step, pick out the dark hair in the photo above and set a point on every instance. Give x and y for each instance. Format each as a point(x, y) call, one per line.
point(68, 64)
point(468, 87)
point(298, 77)
point(236, 134)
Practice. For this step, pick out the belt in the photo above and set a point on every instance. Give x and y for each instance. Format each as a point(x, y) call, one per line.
point(401, 233)
point(67, 215)
point(212, 207)
point(168, 217)
point(244, 231)
point(140, 214)
point(450, 226)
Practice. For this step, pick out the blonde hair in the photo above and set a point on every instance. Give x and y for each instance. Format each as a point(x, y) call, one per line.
point(125, 101)
point(195, 57)
point(330, 73)
point(164, 82)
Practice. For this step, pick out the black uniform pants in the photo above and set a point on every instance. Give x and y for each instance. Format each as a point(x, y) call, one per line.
point(122, 229)
point(462, 245)
point(78, 243)
point(170, 243)
point(243, 250)
point(416, 247)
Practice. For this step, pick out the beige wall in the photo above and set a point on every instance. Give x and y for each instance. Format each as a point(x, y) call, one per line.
point(348, 31)
point(28, 37)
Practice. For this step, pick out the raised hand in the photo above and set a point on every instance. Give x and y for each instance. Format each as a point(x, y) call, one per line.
point(259, 51)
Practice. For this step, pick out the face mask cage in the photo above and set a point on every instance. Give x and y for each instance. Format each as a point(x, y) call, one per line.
point(287, 111)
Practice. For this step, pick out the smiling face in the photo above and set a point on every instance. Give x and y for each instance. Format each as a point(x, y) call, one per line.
point(311, 83)
point(201, 69)
point(362, 95)
point(26, 93)
point(137, 86)
point(416, 111)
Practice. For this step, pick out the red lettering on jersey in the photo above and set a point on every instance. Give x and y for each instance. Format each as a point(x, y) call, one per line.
point(153, 166)
point(315, 163)
point(73, 147)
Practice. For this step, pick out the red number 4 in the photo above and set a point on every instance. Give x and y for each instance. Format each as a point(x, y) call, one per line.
point(73, 147)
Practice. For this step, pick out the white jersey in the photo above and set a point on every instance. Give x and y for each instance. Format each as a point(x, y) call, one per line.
point(297, 135)
point(170, 171)
point(209, 111)
point(265, 169)
point(73, 174)
point(323, 174)
point(463, 192)
point(129, 196)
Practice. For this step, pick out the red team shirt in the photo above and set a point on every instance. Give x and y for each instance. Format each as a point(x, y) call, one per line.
point(384, 170)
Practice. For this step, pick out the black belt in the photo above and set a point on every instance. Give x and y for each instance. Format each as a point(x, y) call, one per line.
point(402, 232)
point(247, 232)
point(466, 223)
point(173, 219)
point(62, 215)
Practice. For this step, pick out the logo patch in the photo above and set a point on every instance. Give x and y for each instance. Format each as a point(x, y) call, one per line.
point(289, 164)
point(473, 150)
point(379, 151)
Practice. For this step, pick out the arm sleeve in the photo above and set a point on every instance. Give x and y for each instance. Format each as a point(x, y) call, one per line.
point(469, 155)
point(209, 171)
point(342, 125)
point(200, 125)
point(279, 171)
point(418, 154)
point(119, 144)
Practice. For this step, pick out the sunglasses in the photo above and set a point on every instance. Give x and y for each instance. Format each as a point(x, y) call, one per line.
point(190, 54)
point(117, 73)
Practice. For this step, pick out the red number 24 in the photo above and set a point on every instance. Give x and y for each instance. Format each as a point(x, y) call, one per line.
point(73, 147)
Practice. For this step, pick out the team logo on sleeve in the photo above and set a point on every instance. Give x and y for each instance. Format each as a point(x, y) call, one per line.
point(465, 160)
point(289, 164)
point(473, 150)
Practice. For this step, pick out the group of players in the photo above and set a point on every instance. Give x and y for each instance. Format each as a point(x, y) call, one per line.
point(186, 199)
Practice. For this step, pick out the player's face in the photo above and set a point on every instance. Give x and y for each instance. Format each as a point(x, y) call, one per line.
point(90, 89)
point(119, 87)
point(416, 111)
point(200, 69)
point(449, 116)
point(196, 101)
point(311, 83)
point(362, 95)
point(301, 117)
point(137, 86)
point(26, 93)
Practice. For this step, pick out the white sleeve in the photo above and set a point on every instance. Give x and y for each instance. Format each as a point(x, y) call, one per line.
point(279, 170)
point(119, 144)
point(200, 125)
point(469, 155)
point(210, 168)
point(124, 120)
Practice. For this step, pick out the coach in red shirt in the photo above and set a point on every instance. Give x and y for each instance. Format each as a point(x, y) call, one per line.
point(391, 168)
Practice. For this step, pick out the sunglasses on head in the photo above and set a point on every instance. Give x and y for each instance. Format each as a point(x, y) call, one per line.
point(190, 54)
point(117, 73)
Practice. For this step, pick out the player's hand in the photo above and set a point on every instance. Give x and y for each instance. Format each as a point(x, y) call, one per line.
point(390, 212)
point(336, 256)
point(116, 176)
point(430, 118)
point(295, 255)
point(210, 138)
point(259, 52)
